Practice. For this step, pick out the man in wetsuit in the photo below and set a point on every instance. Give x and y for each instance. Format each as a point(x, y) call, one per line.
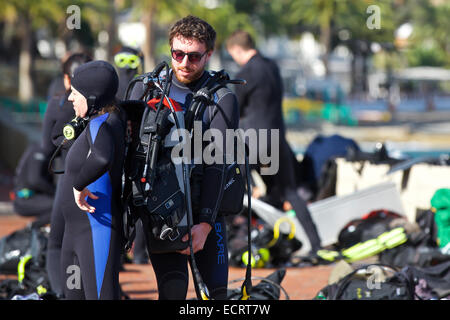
point(129, 63)
point(192, 43)
point(58, 113)
point(260, 104)
point(34, 188)
point(91, 188)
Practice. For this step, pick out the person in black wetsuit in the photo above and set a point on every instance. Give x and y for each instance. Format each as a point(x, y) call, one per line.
point(58, 113)
point(91, 188)
point(56, 87)
point(34, 187)
point(129, 63)
point(192, 43)
point(260, 104)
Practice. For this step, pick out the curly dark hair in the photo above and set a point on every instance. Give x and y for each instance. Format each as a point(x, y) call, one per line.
point(192, 27)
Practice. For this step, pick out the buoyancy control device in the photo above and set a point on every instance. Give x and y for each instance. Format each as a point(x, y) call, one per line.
point(155, 187)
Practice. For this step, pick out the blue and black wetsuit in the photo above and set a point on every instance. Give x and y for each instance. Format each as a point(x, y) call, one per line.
point(58, 113)
point(92, 241)
point(171, 269)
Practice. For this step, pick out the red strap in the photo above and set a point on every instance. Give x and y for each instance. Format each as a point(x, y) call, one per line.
point(376, 213)
point(153, 102)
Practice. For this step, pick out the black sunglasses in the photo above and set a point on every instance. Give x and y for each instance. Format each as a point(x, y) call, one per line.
point(193, 57)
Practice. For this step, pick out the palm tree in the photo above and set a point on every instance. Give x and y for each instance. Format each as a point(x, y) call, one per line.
point(155, 13)
point(28, 15)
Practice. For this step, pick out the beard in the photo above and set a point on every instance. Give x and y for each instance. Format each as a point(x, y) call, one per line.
point(193, 75)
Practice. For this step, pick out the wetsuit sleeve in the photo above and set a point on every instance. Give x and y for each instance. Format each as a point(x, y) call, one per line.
point(37, 175)
point(47, 127)
point(136, 91)
point(65, 115)
point(99, 159)
point(243, 92)
point(59, 112)
point(225, 115)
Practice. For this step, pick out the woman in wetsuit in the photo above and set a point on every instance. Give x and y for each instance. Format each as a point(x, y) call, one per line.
point(90, 258)
point(58, 113)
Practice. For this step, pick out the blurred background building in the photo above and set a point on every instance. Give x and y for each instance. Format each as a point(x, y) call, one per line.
point(344, 63)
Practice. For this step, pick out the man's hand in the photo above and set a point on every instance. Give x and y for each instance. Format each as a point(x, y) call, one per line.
point(80, 199)
point(199, 234)
point(256, 192)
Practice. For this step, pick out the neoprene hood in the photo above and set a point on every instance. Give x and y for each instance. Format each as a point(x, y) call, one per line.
point(96, 79)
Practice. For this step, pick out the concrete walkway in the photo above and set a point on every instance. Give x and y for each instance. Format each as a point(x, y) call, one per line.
point(138, 281)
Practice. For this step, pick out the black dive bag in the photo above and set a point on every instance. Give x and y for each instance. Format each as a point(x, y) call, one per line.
point(232, 202)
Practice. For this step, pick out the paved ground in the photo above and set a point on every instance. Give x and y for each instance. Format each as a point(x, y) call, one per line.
point(138, 281)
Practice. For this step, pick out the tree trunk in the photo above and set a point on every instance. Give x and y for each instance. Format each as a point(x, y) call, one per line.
point(149, 44)
point(26, 89)
point(325, 39)
point(365, 72)
point(112, 30)
point(354, 85)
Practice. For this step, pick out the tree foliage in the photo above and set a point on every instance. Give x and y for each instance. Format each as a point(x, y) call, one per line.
point(328, 20)
point(430, 42)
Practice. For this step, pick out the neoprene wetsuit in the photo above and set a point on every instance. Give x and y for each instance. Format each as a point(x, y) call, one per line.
point(171, 269)
point(58, 113)
point(92, 241)
point(260, 103)
point(56, 87)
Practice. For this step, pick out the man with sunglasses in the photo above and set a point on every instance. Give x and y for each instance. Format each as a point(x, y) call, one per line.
point(192, 43)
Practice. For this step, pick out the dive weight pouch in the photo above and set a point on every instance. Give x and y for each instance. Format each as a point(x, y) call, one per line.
point(234, 189)
point(232, 201)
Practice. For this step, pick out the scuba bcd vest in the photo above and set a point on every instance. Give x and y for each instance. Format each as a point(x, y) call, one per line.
point(156, 183)
point(157, 187)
